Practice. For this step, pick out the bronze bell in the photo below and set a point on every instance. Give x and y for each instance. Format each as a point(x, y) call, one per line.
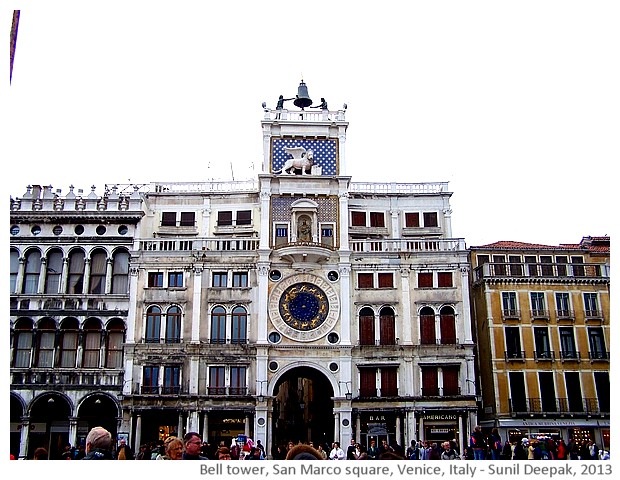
point(302, 100)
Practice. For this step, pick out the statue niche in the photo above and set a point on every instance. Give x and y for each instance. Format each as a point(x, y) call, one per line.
point(304, 229)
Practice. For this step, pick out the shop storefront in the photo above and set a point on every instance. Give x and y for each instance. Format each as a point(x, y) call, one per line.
point(579, 430)
point(439, 427)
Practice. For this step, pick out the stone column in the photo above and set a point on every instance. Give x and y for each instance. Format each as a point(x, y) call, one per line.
point(133, 301)
point(399, 433)
point(345, 309)
point(246, 423)
point(42, 276)
point(108, 276)
point(73, 430)
point(421, 429)
point(180, 431)
point(86, 277)
point(64, 277)
point(336, 427)
point(462, 434)
point(23, 441)
point(467, 328)
point(138, 435)
point(205, 426)
point(196, 310)
point(358, 427)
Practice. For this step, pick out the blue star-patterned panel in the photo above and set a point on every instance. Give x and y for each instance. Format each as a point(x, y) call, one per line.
point(325, 152)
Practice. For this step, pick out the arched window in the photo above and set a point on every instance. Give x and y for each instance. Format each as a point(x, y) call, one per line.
point(387, 329)
point(173, 325)
point(98, 265)
point(32, 272)
point(120, 272)
point(23, 343)
point(447, 326)
point(239, 325)
point(92, 343)
point(218, 325)
point(427, 326)
point(68, 342)
point(114, 347)
point(153, 325)
point(45, 346)
point(53, 271)
point(14, 266)
point(367, 326)
point(75, 282)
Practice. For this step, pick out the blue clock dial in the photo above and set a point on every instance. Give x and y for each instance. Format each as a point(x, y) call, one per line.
point(303, 306)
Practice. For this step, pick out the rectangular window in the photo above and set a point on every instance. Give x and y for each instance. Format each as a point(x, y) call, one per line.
point(444, 279)
point(430, 384)
point(188, 219)
point(578, 268)
point(24, 349)
point(513, 342)
point(499, 265)
point(386, 280)
point(482, 259)
point(430, 219)
point(389, 383)
point(601, 380)
point(237, 381)
point(518, 401)
point(541, 341)
point(217, 381)
point(365, 280)
point(327, 235)
point(68, 353)
point(516, 267)
point(156, 279)
point(562, 305)
point(425, 280)
point(590, 302)
point(114, 353)
point(561, 265)
point(240, 279)
point(358, 219)
point(175, 279)
point(412, 219)
point(509, 304)
point(172, 380)
point(546, 265)
point(573, 391)
point(368, 382)
point(567, 343)
point(547, 392)
point(220, 280)
point(538, 303)
point(532, 266)
point(168, 219)
point(46, 349)
point(450, 380)
point(377, 219)
point(597, 343)
point(92, 346)
point(224, 218)
point(244, 217)
point(282, 231)
point(150, 380)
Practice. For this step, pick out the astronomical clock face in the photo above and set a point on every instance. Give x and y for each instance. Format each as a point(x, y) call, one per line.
point(304, 307)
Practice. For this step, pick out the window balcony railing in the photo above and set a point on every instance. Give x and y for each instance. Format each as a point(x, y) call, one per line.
point(542, 270)
point(556, 406)
point(565, 315)
point(593, 315)
point(511, 314)
point(441, 391)
point(407, 245)
point(227, 391)
point(43, 377)
point(570, 355)
point(514, 355)
point(378, 343)
point(228, 341)
point(600, 356)
point(544, 355)
point(539, 314)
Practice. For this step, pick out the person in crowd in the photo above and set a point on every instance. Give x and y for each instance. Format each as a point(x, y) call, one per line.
point(506, 453)
point(362, 453)
point(40, 454)
point(593, 450)
point(434, 452)
point(468, 454)
point(173, 449)
point(322, 451)
point(143, 453)
point(495, 444)
point(193, 443)
point(337, 453)
point(124, 451)
point(223, 453)
point(260, 446)
point(351, 451)
point(477, 443)
point(373, 450)
point(584, 451)
point(307, 452)
point(80, 452)
point(98, 444)
point(448, 452)
point(561, 452)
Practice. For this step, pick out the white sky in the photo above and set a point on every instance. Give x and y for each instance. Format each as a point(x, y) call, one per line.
point(514, 103)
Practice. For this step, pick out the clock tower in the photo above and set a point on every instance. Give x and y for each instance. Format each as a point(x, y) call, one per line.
point(304, 260)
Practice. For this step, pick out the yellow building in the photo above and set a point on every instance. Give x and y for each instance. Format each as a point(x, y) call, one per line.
point(542, 320)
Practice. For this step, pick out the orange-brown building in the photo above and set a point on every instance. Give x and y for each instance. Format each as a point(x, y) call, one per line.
point(542, 320)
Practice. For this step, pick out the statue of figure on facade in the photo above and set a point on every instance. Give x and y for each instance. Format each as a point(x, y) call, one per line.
point(302, 159)
point(280, 104)
point(304, 233)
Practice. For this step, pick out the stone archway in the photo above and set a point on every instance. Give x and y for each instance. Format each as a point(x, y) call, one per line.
point(303, 407)
point(49, 424)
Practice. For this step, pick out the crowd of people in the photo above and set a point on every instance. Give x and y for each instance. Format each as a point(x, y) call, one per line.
point(99, 445)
